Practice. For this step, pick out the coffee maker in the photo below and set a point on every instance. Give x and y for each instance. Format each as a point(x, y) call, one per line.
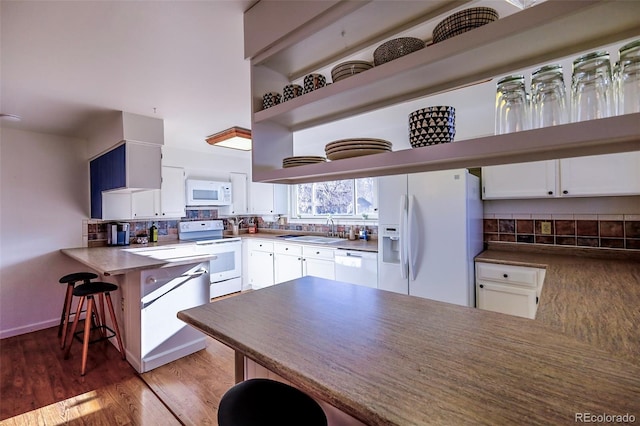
point(118, 234)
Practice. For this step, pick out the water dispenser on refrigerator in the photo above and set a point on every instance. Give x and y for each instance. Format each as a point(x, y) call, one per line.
point(390, 243)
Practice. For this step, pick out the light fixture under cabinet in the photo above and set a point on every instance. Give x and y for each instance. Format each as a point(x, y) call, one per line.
point(235, 137)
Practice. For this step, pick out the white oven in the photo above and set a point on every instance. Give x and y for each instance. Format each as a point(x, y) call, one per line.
point(225, 267)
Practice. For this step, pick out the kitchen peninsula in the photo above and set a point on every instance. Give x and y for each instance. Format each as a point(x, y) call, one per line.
point(391, 359)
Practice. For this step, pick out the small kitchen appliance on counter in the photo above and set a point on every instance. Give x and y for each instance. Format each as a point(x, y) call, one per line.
point(118, 234)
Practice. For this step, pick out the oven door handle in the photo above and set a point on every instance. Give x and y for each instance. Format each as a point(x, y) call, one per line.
point(197, 274)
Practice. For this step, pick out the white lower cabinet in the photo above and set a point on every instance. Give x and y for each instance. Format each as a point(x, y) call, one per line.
point(318, 262)
point(260, 266)
point(270, 263)
point(508, 289)
point(287, 262)
point(294, 261)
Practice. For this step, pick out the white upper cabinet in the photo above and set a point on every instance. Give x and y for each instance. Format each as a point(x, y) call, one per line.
point(172, 192)
point(612, 174)
point(268, 199)
point(348, 30)
point(537, 179)
point(596, 175)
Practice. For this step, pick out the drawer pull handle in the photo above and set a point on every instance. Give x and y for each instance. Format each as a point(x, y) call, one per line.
point(505, 275)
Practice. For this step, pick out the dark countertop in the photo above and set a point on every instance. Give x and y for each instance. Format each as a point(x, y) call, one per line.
point(590, 294)
point(392, 359)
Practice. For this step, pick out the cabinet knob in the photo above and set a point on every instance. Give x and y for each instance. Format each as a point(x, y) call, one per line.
point(550, 192)
point(286, 248)
point(565, 192)
point(317, 252)
point(481, 286)
point(505, 275)
point(270, 254)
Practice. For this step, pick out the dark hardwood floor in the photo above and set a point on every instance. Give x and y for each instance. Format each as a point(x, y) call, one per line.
point(39, 387)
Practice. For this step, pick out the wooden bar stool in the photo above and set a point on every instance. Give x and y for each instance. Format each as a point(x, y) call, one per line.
point(88, 291)
point(265, 402)
point(70, 280)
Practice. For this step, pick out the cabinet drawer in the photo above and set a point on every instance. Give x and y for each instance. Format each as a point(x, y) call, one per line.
point(317, 252)
point(507, 299)
point(261, 245)
point(293, 249)
point(507, 274)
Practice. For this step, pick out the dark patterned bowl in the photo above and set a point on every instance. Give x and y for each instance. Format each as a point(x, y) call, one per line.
point(393, 49)
point(349, 68)
point(291, 91)
point(270, 99)
point(431, 126)
point(314, 82)
point(463, 21)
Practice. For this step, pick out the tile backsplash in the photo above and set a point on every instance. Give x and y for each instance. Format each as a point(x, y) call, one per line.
point(95, 232)
point(604, 231)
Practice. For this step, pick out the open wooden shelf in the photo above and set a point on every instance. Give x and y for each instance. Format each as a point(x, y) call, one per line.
point(535, 36)
point(607, 135)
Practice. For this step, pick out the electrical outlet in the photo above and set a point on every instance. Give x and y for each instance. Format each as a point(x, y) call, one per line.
point(545, 228)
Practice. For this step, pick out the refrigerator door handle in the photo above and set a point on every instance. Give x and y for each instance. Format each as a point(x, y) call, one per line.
point(403, 237)
point(413, 238)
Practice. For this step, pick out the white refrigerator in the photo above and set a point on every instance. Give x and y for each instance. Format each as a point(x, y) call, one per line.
point(430, 229)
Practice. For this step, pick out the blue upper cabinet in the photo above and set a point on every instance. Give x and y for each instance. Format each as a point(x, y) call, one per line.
point(130, 165)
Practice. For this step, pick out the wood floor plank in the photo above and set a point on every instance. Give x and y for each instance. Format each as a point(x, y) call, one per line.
point(39, 387)
point(211, 369)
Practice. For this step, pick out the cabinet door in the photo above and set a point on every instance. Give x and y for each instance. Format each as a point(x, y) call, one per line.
point(144, 204)
point(172, 192)
point(287, 267)
point(268, 198)
point(507, 299)
point(611, 174)
point(143, 166)
point(239, 193)
point(319, 268)
point(260, 269)
point(522, 180)
point(105, 173)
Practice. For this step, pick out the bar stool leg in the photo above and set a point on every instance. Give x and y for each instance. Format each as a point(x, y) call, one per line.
point(87, 334)
point(103, 319)
point(66, 314)
point(74, 327)
point(115, 324)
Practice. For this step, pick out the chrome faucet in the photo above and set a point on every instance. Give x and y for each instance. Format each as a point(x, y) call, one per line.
point(331, 232)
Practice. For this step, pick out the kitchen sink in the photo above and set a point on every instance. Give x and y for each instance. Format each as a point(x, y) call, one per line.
point(314, 239)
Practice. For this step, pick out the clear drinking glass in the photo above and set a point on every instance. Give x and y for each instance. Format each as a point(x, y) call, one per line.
point(591, 87)
point(512, 105)
point(628, 78)
point(548, 97)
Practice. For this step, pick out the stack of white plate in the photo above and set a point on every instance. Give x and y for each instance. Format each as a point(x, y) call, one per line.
point(302, 160)
point(347, 148)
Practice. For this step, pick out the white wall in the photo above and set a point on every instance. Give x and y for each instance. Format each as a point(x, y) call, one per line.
point(43, 199)
point(210, 162)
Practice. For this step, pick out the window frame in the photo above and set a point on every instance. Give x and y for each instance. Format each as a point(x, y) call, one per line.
point(359, 216)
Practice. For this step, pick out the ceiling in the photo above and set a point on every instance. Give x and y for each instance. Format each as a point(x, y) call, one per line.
point(64, 64)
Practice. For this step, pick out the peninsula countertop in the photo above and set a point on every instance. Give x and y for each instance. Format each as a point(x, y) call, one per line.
point(392, 359)
point(591, 295)
point(115, 260)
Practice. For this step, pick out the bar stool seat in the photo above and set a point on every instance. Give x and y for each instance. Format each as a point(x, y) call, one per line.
point(265, 402)
point(70, 280)
point(88, 291)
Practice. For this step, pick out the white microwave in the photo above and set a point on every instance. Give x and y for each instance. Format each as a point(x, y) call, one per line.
point(208, 193)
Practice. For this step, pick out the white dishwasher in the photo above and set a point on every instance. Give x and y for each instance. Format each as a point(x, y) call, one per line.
point(357, 267)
